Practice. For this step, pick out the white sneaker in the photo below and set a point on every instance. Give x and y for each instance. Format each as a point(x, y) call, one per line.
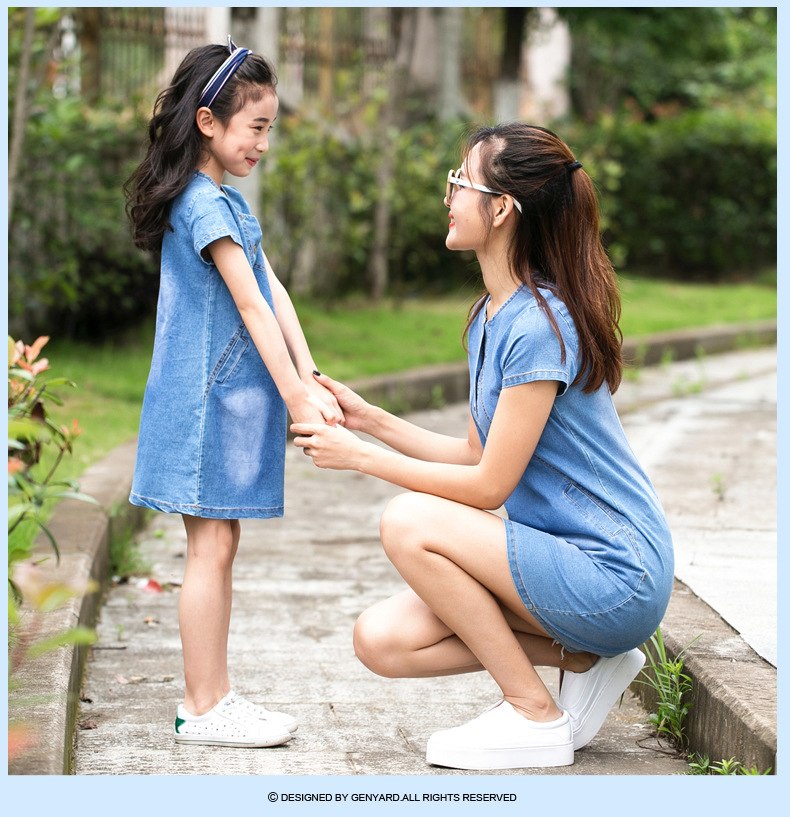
point(263, 714)
point(501, 738)
point(228, 724)
point(588, 696)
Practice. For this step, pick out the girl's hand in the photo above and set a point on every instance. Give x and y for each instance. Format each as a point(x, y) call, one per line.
point(307, 409)
point(330, 409)
point(330, 446)
point(355, 409)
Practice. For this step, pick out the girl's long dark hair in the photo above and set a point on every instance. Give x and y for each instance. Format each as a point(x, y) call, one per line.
point(557, 242)
point(175, 144)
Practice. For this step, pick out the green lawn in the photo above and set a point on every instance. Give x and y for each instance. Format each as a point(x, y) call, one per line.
point(355, 339)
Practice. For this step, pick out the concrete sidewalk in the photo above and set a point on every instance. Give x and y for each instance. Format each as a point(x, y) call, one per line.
point(705, 430)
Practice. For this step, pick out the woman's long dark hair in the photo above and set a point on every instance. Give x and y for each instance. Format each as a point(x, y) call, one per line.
point(175, 144)
point(557, 243)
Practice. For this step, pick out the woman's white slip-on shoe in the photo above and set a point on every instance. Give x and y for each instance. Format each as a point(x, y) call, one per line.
point(501, 738)
point(588, 696)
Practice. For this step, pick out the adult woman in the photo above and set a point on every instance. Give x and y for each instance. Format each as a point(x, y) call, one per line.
point(581, 571)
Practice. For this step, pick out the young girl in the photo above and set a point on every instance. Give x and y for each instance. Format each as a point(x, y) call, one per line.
point(229, 358)
point(580, 572)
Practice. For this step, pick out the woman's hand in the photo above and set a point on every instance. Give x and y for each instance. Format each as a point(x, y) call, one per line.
point(326, 400)
point(355, 410)
point(330, 446)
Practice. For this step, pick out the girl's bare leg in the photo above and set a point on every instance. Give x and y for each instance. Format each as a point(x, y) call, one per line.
point(455, 559)
point(204, 609)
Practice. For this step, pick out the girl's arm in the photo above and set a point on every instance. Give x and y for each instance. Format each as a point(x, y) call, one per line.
point(519, 419)
point(264, 329)
point(296, 342)
point(290, 326)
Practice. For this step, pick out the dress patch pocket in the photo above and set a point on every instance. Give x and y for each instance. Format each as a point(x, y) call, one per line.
point(601, 517)
point(229, 359)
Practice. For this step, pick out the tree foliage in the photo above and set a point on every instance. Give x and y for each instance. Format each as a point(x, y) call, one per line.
point(653, 61)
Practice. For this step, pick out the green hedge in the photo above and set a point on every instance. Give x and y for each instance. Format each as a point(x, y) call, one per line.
point(693, 194)
point(73, 269)
point(320, 195)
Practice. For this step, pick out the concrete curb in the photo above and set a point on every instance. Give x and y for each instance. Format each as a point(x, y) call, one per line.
point(718, 725)
point(728, 718)
point(433, 386)
point(50, 685)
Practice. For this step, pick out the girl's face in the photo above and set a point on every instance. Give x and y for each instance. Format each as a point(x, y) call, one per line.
point(237, 147)
point(467, 230)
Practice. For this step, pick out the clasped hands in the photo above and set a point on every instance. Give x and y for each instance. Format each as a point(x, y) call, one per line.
point(334, 446)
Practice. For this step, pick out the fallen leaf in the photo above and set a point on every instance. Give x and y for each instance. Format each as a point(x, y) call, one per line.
point(151, 621)
point(85, 699)
point(89, 724)
point(20, 738)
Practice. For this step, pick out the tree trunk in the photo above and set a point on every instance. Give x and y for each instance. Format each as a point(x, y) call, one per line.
point(21, 107)
point(397, 77)
point(326, 68)
point(507, 91)
point(90, 64)
point(378, 266)
point(451, 99)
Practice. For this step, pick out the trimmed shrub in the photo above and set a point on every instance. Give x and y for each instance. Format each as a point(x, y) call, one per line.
point(319, 202)
point(72, 265)
point(694, 194)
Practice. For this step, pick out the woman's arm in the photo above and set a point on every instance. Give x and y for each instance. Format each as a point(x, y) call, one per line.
point(421, 444)
point(402, 435)
point(519, 419)
point(264, 328)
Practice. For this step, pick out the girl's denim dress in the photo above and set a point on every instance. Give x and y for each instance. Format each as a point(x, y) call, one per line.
point(213, 425)
point(588, 544)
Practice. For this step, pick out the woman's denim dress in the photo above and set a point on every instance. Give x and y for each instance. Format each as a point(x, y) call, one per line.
point(213, 425)
point(588, 544)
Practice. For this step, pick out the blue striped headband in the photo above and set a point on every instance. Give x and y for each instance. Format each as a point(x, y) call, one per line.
point(223, 74)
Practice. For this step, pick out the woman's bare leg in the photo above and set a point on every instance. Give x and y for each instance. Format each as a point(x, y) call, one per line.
point(455, 559)
point(204, 609)
point(401, 637)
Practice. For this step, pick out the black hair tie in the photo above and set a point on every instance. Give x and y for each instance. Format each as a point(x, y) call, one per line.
point(573, 166)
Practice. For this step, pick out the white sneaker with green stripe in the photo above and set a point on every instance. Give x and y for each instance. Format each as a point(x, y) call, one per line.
point(229, 723)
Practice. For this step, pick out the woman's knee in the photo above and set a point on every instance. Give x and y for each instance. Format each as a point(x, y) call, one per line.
point(406, 523)
point(376, 644)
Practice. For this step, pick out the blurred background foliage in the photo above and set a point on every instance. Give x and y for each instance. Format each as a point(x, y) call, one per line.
point(671, 110)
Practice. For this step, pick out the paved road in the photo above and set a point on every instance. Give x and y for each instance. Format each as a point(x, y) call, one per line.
point(301, 581)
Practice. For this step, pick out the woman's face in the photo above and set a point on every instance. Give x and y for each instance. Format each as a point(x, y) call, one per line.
point(467, 230)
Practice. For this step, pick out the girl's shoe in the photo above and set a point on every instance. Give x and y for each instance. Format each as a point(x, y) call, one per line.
point(588, 696)
point(501, 738)
point(257, 711)
point(228, 724)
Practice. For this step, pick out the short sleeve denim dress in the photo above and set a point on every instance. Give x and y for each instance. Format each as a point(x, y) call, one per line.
point(213, 425)
point(588, 545)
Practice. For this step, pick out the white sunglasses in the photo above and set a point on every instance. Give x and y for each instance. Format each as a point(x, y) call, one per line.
point(454, 179)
